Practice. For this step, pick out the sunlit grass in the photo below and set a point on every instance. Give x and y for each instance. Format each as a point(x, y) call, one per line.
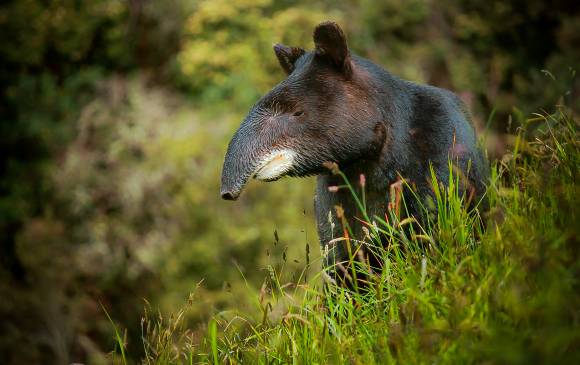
point(447, 291)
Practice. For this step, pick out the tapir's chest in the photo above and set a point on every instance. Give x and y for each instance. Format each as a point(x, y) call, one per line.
point(338, 211)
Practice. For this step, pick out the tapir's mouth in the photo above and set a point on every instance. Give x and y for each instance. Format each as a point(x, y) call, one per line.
point(271, 167)
point(274, 165)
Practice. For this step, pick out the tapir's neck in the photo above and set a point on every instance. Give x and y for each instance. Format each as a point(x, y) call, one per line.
point(393, 101)
point(393, 98)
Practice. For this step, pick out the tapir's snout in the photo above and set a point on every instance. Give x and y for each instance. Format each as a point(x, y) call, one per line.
point(238, 167)
point(228, 195)
point(243, 157)
point(255, 151)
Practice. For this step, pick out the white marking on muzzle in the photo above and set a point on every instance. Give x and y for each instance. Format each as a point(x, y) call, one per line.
point(275, 164)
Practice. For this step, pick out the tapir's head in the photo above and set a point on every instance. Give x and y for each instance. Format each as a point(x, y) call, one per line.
point(324, 111)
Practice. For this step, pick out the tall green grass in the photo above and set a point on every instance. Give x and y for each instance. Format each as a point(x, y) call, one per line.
point(448, 292)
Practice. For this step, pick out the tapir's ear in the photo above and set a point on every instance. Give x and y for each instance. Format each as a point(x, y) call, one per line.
point(331, 44)
point(287, 56)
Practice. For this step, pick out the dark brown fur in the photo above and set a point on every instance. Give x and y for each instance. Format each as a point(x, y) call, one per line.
point(335, 106)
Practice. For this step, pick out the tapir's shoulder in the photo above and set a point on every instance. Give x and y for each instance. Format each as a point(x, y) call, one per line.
point(428, 94)
point(421, 94)
point(436, 111)
point(431, 103)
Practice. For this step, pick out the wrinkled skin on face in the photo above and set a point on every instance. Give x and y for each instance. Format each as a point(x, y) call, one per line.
point(320, 113)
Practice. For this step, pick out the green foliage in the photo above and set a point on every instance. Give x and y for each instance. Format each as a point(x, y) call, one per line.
point(54, 56)
point(227, 51)
point(143, 227)
point(48, 31)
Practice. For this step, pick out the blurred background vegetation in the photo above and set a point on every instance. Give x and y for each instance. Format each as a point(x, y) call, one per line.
point(115, 116)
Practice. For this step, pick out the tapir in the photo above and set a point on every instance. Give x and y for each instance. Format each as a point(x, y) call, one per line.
point(336, 107)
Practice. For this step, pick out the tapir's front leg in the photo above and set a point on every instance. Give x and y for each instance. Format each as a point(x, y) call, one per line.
point(329, 226)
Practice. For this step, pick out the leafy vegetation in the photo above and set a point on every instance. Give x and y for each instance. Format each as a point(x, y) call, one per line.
point(114, 120)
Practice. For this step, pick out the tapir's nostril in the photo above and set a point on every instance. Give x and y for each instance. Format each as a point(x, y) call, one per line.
point(228, 195)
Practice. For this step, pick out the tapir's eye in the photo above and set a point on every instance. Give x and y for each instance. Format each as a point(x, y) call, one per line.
point(298, 113)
